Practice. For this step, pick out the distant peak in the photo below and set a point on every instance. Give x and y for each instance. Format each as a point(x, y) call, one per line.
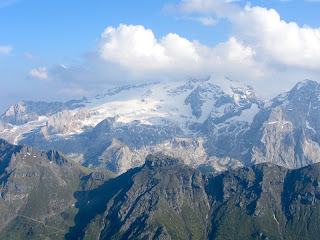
point(305, 83)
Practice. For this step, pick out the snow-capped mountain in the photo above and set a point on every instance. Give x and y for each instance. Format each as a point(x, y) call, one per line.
point(213, 124)
point(118, 128)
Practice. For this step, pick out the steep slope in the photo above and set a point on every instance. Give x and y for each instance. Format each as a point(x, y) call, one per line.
point(165, 199)
point(161, 199)
point(265, 202)
point(286, 131)
point(37, 192)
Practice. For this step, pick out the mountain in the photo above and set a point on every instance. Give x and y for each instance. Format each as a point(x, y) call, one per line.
point(118, 129)
point(214, 124)
point(286, 130)
point(37, 191)
point(44, 195)
point(24, 112)
point(166, 199)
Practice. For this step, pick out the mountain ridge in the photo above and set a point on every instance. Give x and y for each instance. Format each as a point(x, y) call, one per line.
point(36, 191)
point(165, 199)
point(213, 124)
point(162, 199)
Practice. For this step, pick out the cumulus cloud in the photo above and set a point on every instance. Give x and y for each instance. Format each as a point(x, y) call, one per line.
point(136, 49)
point(275, 42)
point(131, 54)
point(5, 50)
point(40, 73)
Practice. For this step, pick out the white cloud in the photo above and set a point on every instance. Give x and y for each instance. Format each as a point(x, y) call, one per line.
point(263, 51)
point(275, 40)
point(132, 46)
point(136, 50)
point(132, 55)
point(5, 50)
point(209, 21)
point(40, 73)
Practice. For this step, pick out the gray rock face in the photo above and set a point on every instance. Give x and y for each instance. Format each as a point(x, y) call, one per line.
point(165, 199)
point(36, 187)
point(161, 161)
point(201, 95)
point(149, 200)
point(286, 131)
point(26, 111)
point(65, 122)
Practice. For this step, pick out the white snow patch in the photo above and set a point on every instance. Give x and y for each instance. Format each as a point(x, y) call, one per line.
point(247, 115)
point(274, 122)
point(309, 127)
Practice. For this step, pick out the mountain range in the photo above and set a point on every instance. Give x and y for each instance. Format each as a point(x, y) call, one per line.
point(45, 195)
point(214, 124)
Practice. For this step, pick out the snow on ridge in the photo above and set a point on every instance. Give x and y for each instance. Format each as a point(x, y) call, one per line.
point(162, 100)
point(149, 103)
point(247, 115)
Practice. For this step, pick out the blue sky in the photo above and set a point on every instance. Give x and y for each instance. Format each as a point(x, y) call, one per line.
point(55, 50)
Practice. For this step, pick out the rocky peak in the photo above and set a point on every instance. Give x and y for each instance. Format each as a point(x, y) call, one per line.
point(26, 111)
point(306, 85)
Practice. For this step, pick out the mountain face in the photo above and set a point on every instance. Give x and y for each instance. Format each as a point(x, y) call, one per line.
point(46, 196)
point(24, 112)
point(165, 199)
point(213, 124)
point(37, 192)
point(286, 131)
point(118, 129)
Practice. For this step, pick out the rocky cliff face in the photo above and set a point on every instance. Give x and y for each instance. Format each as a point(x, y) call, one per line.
point(165, 199)
point(27, 111)
point(45, 195)
point(36, 191)
point(287, 129)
